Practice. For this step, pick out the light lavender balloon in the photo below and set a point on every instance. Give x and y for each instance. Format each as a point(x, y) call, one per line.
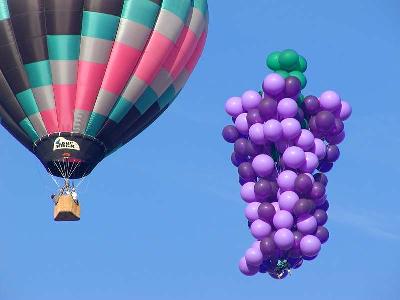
point(273, 130)
point(241, 124)
point(307, 224)
point(246, 269)
point(286, 180)
point(247, 192)
point(284, 239)
point(260, 229)
point(310, 164)
point(345, 111)
point(250, 99)
point(287, 200)
point(310, 246)
point(254, 257)
point(233, 106)
point(276, 206)
point(256, 134)
point(294, 157)
point(273, 84)
point(256, 245)
point(291, 128)
point(287, 108)
point(306, 140)
point(283, 219)
point(263, 165)
point(330, 100)
point(319, 149)
point(251, 211)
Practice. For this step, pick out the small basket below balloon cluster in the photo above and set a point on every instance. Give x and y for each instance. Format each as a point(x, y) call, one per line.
point(284, 143)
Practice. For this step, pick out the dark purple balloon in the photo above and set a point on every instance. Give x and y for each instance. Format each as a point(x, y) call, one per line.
point(267, 108)
point(241, 146)
point(268, 247)
point(266, 212)
point(337, 128)
point(324, 120)
point(253, 150)
point(311, 105)
point(324, 206)
point(304, 206)
point(303, 185)
point(253, 117)
point(313, 126)
point(325, 166)
point(292, 86)
point(294, 253)
point(309, 258)
point(237, 159)
point(263, 190)
point(230, 134)
point(317, 190)
point(322, 178)
point(332, 153)
point(297, 238)
point(300, 115)
point(294, 261)
point(246, 171)
point(275, 189)
point(322, 234)
point(321, 216)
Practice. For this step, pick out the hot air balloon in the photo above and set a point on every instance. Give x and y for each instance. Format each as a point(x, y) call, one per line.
point(81, 78)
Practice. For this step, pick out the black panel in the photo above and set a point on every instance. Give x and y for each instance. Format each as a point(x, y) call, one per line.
point(17, 7)
point(9, 102)
point(12, 127)
point(71, 5)
point(33, 50)
point(28, 25)
point(64, 22)
point(9, 57)
point(17, 79)
point(105, 6)
point(6, 32)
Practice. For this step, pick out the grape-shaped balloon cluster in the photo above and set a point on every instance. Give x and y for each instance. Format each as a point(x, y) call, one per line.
point(284, 143)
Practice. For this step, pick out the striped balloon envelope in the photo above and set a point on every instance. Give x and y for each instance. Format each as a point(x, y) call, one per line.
point(81, 78)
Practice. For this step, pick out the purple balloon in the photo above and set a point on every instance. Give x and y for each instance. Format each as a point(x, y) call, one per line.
point(345, 111)
point(276, 205)
point(303, 185)
point(306, 140)
point(233, 106)
point(337, 128)
point(283, 219)
point(253, 150)
point(251, 211)
point(292, 86)
point(268, 247)
point(287, 108)
point(311, 163)
point(325, 166)
point(240, 147)
point(254, 257)
point(291, 128)
point(273, 130)
point(317, 191)
point(300, 115)
point(310, 246)
point(307, 224)
point(286, 180)
point(266, 212)
point(322, 234)
point(325, 120)
point(260, 229)
point(263, 190)
point(275, 189)
point(282, 145)
point(330, 100)
point(314, 128)
point(241, 124)
point(294, 157)
point(322, 178)
point(297, 238)
point(230, 134)
point(253, 117)
point(268, 108)
point(311, 105)
point(324, 206)
point(246, 171)
point(256, 134)
point(318, 202)
point(321, 216)
point(247, 192)
point(319, 149)
point(303, 207)
point(332, 153)
point(287, 200)
point(250, 99)
point(263, 165)
point(246, 269)
point(273, 84)
point(336, 139)
point(284, 239)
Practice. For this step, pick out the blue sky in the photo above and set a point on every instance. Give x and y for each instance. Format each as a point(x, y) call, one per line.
point(162, 218)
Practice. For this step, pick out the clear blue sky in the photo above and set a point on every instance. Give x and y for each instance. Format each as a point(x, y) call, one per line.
point(162, 217)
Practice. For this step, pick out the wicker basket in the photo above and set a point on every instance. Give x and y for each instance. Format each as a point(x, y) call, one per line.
point(67, 209)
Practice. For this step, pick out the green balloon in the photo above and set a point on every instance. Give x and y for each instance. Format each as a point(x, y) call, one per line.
point(304, 124)
point(273, 61)
point(300, 100)
point(288, 60)
point(302, 66)
point(283, 73)
point(300, 76)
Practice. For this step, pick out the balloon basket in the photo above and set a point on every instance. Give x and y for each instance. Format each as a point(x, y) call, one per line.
point(66, 209)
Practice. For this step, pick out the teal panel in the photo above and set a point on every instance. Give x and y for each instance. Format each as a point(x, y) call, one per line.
point(4, 12)
point(120, 109)
point(99, 25)
point(201, 5)
point(95, 122)
point(144, 12)
point(167, 97)
point(63, 47)
point(179, 8)
point(39, 73)
point(27, 102)
point(148, 98)
point(28, 128)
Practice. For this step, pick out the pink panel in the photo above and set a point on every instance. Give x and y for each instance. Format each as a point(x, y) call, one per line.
point(153, 57)
point(65, 103)
point(197, 53)
point(120, 67)
point(49, 118)
point(90, 77)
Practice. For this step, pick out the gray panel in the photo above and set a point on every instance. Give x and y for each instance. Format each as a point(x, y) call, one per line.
point(134, 89)
point(169, 25)
point(133, 34)
point(64, 71)
point(105, 102)
point(81, 118)
point(44, 97)
point(95, 50)
point(181, 80)
point(196, 22)
point(37, 123)
point(161, 82)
